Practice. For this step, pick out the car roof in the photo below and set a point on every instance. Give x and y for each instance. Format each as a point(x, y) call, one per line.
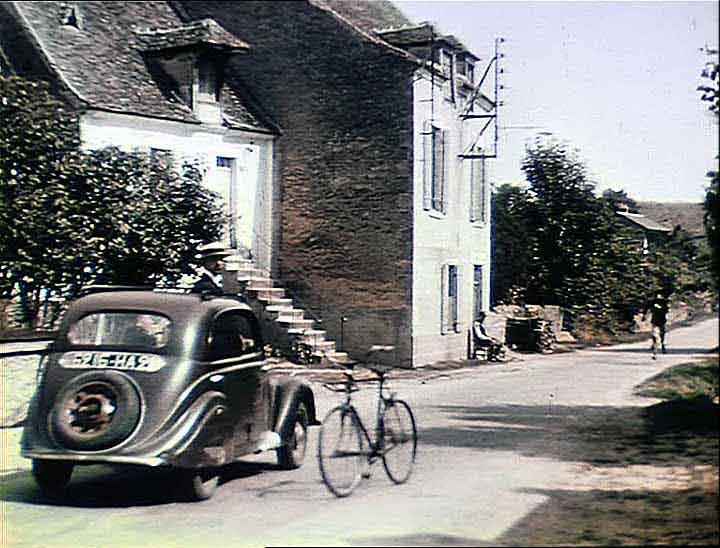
point(179, 307)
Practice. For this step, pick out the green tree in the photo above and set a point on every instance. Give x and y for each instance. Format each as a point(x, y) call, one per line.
point(511, 257)
point(619, 198)
point(710, 93)
point(70, 217)
point(568, 222)
point(581, 258)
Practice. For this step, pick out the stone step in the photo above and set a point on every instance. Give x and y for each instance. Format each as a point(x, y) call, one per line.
point(267, 292)
point(308, 335)
point(253, 282)
point(244, 273)
point(275, 301)
point(296, 323)
point(292, 314)
point(323, 346)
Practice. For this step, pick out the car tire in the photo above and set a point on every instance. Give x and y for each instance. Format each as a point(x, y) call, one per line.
point(95, 411)
point(200, 484)
point(52, 476)
point(292, 454)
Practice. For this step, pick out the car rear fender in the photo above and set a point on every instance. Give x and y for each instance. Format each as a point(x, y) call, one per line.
point(288, 394)
point(201, 427)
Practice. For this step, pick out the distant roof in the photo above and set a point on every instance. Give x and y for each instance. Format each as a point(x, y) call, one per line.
point(102, 62)
point(689, 215)
point(644, 222)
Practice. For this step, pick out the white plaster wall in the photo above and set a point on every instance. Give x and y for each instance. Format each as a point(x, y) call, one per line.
point(253, 154)
point(441, 239)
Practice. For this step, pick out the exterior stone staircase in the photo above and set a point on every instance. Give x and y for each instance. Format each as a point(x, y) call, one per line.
point(284, 322)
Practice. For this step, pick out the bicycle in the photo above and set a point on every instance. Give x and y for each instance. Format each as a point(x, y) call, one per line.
point(346, 449)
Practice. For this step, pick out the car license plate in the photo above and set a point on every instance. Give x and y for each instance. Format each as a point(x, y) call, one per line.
point(131, 361)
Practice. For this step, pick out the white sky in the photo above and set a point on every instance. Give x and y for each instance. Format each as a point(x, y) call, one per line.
point(616, 80)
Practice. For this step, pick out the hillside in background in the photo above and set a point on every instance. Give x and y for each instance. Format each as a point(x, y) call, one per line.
point(686, 214)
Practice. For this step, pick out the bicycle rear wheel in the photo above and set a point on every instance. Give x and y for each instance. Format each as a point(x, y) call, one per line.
point(340, 451)
point(399, 441)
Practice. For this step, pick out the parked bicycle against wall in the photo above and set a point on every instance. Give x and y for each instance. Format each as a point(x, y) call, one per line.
point(347, 449)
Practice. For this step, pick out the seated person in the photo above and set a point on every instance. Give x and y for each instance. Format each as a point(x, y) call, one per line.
point(481, 339)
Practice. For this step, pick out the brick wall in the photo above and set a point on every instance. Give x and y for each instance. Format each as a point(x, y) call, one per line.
point(344, 105)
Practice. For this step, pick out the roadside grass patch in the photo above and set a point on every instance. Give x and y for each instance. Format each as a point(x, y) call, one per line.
point(686, 381)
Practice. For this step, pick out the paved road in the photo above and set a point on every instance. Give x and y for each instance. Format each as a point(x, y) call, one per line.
point(487, 438)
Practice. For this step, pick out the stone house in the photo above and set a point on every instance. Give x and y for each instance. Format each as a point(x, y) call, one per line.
point(355, 181)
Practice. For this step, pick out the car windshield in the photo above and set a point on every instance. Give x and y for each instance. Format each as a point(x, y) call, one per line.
point(121, 329)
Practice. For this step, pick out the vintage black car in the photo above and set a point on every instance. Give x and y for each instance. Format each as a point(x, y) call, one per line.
point(156, 378)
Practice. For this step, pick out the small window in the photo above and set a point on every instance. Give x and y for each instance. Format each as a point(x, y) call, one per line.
point(121, 329)
point(233, 335)
point(224, 162)
point(207, 80)
point(477, 290)
point(470, 72)
point(157, 152)
point(450, 301)
point(71, 16)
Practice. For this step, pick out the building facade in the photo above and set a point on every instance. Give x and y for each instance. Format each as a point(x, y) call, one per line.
point(335, 132)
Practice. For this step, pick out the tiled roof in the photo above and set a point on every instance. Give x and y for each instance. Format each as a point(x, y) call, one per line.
point(103, 61)
point(368, 15)
point(205, 32)
point(643, 222)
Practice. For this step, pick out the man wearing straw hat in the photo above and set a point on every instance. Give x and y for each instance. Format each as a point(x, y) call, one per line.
point(211, 258)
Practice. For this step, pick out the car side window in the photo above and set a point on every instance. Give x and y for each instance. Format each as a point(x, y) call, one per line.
point(232, 335)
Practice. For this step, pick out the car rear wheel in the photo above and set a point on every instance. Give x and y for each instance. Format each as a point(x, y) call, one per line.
point(52, 476)
point(292, 454)
point(200, 484)
point(95, 411)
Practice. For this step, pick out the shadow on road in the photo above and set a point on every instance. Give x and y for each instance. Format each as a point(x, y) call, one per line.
point(636, 510)
point(670, 350)
point(103, 487)
point(672, 432)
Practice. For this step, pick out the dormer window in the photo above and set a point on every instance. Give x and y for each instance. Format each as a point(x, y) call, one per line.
point(70, 16)
point(208, 89)
point(188, 62)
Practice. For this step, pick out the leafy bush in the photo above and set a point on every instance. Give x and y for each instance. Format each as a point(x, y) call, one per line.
point(70, 217)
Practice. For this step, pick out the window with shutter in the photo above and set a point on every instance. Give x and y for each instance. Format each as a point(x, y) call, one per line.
point(434, 168)
point(437, 187)
point(453, 300)
point(449, 312)
point(478, 188)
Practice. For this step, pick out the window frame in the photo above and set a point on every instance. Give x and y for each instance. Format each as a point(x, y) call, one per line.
point(478, 192)
point(232, 357)
point(435, 169)
point(450, 298)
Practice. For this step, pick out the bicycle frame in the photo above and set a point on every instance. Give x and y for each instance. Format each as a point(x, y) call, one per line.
point(375, 443)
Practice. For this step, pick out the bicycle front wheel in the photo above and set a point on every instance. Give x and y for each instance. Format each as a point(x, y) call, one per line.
point(340, 451)
point(399, 441)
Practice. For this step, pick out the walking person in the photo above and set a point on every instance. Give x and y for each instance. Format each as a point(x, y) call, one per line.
point(211, 258)
point(658, 310)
